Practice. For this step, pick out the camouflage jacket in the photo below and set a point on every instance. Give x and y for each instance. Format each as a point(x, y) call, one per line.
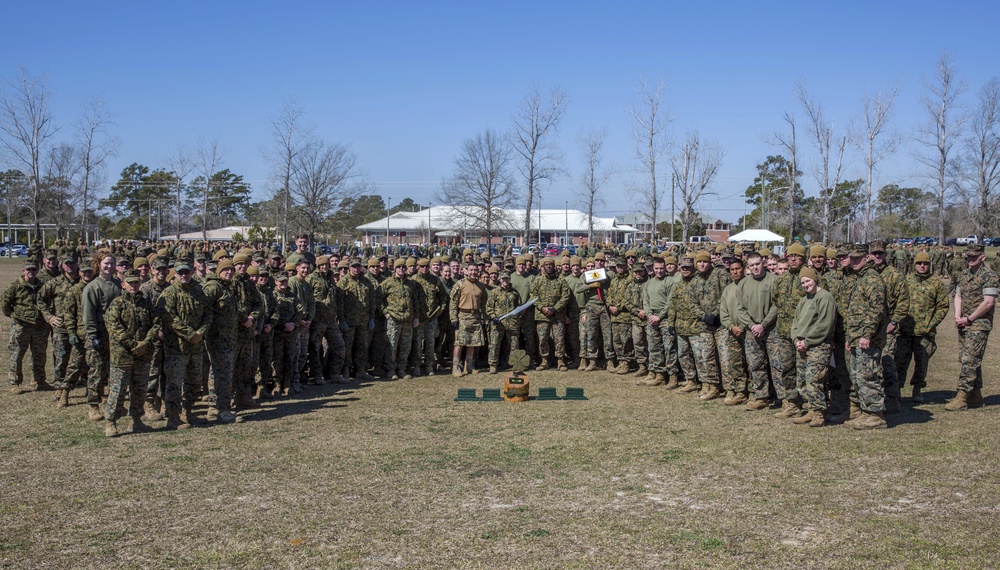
point(551, 291)
point(131, 318)
point(787, 293)
point(397, 299)
point(50, 298)
point(710, 285)
point(184, 310)
point(928, 305)
point(435, 296)
point(684, 312)
point(897, 294)
point(20, 302)
point(152, 290)
point(248, 305)
point(618, 297)
point(73, 310)
point(358, 299)
point(326, 309)
point(287, 309)
point(225, 319)
point(866, 313)
point(973, 287)
point(268, 307)
point(501, 301)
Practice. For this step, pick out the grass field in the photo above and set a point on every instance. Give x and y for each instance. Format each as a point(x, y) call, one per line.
point(397, 475)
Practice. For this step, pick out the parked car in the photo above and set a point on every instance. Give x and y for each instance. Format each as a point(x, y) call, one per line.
point(993, 241)
point(925, 240)
point(552, 249)
point(968, 240)
point(16, 250)
point(699, 239)
point(515, 250)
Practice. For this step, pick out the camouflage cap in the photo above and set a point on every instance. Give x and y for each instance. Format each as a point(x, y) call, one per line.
point(630, 253)
point(877, 246)
point(159, 263)
point(182, 264)
point(975, 248)
point(87, 264)
point(274, 254)
point(29, 264)
point(505, 275)
point(355, 261)
point(51, 254)
point(281, 276)
point(132, 276)
point(687, 261)
point(859, 250)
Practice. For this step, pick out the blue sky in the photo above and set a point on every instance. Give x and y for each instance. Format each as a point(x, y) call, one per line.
point(404, 83)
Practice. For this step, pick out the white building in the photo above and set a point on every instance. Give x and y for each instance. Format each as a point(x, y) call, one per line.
point(446, 224)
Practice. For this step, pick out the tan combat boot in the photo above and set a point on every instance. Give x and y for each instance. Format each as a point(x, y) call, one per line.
point(591, 366)
point(652, 379)
point(804, 418)
point(151, 413)
point(612, 366)
point(544, 364)
point(790, 409)
point(758, 404)
point(975, 398)
point(871, 420)
point(584, 363)
point(819, 419)
point(63, 398)
point(16, 389)
point(94, 413)
point(642, 372)
point(493, 368)
point(456, 369)
point(734, 398)
point(959, 403)
point(673, 383)
point(710, 393)
point(690, 386)
point(561, 364)
point(623, 367)
point(110, 428)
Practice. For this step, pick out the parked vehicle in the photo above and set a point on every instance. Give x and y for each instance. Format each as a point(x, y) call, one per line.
point(16, 250)
point(968, 240)
point(515, 250)
point(699, 239)
point(993, 241)
point(552, 249)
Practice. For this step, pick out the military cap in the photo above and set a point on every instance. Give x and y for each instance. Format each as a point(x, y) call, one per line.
point(817, 251)
point(245, 250)
point(496, 259)
point(630, 253)
point(200, 256)
point(241, 258)
point(831, 253)
point(132, 276)
point(859, 250)
point(162, 252)
point(323, 260)
point(274, 254)
point(436, 259)
point(343, 264)
point(262, 271)
point(797, 249)
point(373, 262)
point(638, 267)
point(493, 269)
point(399, 263)
point(253, 271)
point(765, 252)
point(466, 251)
point(575, 260)
point(726, 252)
point(974, 248)
point(87, 264)
point(68, 258)
point(258, 257)
point(808, 272)
point(877, 246)
point(423, 262)
point(281, 276)
point(445, 259)
point(224, 263)
point(220, 254)
point(687, 261)
point(411, 262)
point(670, 260)
point(505, 275)
point(922, 257)
point(599, 255)
point(159, 263)
point(51, 254)
point(612, 262)
point(547, 261)
point(29, 264)
point(123, 260)
point(182, 264)
point(703, 256)
point(139, 262)
point(356, 261)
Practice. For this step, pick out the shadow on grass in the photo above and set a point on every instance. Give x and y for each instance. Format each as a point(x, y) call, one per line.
point(312, 399)
point(937, 396)
point(910, 415)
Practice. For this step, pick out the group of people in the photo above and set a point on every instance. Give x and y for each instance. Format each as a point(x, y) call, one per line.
point(829, 334)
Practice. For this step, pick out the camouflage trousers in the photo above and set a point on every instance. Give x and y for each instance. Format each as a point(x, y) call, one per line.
point(328, 360)
point(918, 348)
point(838, 381)
point(890, 378)
point(733, 361)
point(426, 343)
point(555, 331)
point(526, 330)
point(573, 348)
point(223, 358)
point(686, 357)
point(97, 377)
point(865, 367)
point(61, 351)
point(245, 354)
point(76, 370)
point(355, 350)
point(377, 342)
point(285, 348)
point(597, 331)
point(706, 355)
point(470, 330)
point(811, 368)
point(129, 381)
point(23, 337)
point(155, 383)
point(302, 358)
point(662, 348)
point(768, 359)
point(400, 335)
point(621, 337)
point(503, 341)
point(265, 359)
point(182, 373)
point(971, 347)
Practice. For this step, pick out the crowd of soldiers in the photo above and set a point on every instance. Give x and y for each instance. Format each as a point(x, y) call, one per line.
point(826, 333)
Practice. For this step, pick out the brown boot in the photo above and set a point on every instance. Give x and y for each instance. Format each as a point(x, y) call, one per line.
point(819, 419)
point(652, 379)
point(855, 411)
point(871, 420)
point(561, 364)
point(190, 417)
point(591, 366)
point(63, 399)
point(642, 372)
point(690, 386)
point(891, 405)
point(110, 428)
point(612, 366)
point(710, 393)
point(917, 397)
point(673, 383)
point(174, 419)
point(493, 368)
point(456, 369)
point(584, 363)
point(789, 409)
point(544, 364)
point(959, 403)
point(94, 413)
point(151, 413)
point(758, 404)
point(16, 389)
point(138, 426)
point(470, 367)
point(975, 398)
point(734, 398)
point(623, 367)
point(804, 418)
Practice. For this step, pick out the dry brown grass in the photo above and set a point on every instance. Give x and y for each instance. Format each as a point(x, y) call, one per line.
point(396, 474)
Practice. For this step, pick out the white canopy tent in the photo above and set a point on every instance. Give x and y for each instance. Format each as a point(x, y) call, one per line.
point(757, 235)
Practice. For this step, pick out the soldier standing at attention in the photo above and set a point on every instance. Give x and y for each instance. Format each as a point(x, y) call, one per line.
point(928, 307)
point(397, 300)
point(709, 283)
point(683, 320)
point(864, 325)
point(436, 303)
point(186, 315)
point(502, 300)
point(553, 294)
point(20, 303)
point(358, 320)
point(975, 295)
point(812, 329)
point(734, 369)
point(51, 304)
point(786, 295)
point(468, 304)
point(248, 316)
point(152, 289)
point(760, 342)
point(73, 310)
point(97, 297)
point(265, 341)
point(621, 319)
point(521, 282)
point(898, 302)
point(133, 324)
point(301, 288)
point(288, 312)
point(221, 340)
point(656, 294)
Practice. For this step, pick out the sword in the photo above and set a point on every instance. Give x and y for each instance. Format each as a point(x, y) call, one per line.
point(516, 311)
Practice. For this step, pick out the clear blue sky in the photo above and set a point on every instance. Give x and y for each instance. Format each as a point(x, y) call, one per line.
point(404, 83)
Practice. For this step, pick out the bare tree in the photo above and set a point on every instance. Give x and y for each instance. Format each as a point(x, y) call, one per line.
point(481, 186)
point(181, 165)
point(826, 145)
point(209, 158)
point(982, 169)
point(789, 143)
point(649, 135)
point(96, 147)
point(290, 136)
point(59, 197)
point(876, 144)
point(695, 166)
point(323, 177)
point(532, 128)
point(26, 123)
point(942, 130)
point(594, 176)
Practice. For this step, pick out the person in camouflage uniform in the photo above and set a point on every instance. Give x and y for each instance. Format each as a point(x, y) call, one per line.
point(435, 304)
point(265, 341)
point(865, 317)
point(684, 317)
point(552, 294)
point(76, 369)
point(186, 315)
point(521, 282)
point(152, 289)
point(596, 320)
point(787, 293)
point(976, 291)
point(325, 367)
point(97, 297)
point(917, 330)
point(49, 268)
point(378, 340)
point(29, 330)
point(132, 325)
point(503, 332)
point(300, 287)
point(249, 325)
point(398, 301)
point(621, 319)
point(467, 311)
point(358, 320)
point(898, 301)
point(573, 276)
point(656, 294)
point(637, 330)
point(221, 340)
point(709, 282)
point(812, 330)
point(732, 359)
point(758, 316)
point(52, 306)
point(288, 313)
